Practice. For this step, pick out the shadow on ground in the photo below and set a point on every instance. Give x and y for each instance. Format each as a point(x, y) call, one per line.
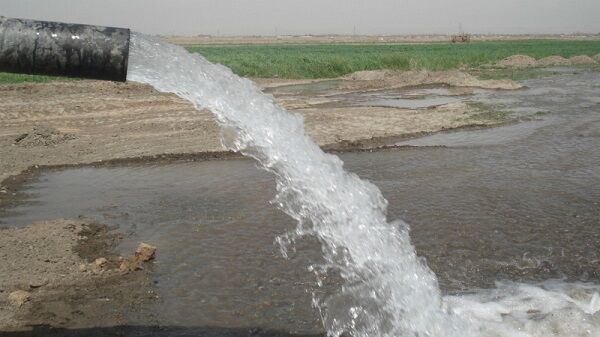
point(151, 331)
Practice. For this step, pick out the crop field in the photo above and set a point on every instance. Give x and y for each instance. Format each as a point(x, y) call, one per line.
point(333, 60)
point(297, 61)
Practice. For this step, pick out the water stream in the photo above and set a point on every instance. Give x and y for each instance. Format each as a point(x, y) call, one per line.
point(388, 290)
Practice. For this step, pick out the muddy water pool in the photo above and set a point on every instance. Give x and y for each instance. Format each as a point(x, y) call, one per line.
point(408, 98)
point(521, 203)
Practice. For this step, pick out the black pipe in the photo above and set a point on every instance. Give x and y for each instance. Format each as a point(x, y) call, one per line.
point(62, 49)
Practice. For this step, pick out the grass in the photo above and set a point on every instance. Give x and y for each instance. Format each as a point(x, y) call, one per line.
point(7, 78)
point(333, 60)
point(297, 61)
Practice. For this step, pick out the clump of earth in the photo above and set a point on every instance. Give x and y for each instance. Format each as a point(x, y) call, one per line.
point(524, 61)
point(517, 61)
point(553, 61)
point(391, 79)
point(42, 135)
point(582, 59)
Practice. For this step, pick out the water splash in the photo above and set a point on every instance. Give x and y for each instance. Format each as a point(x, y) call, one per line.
point(388, 290)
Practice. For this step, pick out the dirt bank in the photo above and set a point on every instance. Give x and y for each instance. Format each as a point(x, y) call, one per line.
point(63, 273)
point(378, 79)
point(97, 121)
point(524, 61)
point(517, 61)
point(88, 121)
point(553, 61)
point(582, 60)
point(354, 125)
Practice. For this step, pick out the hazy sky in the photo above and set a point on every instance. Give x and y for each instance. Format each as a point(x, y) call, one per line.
point(272, 17)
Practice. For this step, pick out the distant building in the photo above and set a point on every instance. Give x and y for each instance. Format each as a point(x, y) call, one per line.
point(461, 38)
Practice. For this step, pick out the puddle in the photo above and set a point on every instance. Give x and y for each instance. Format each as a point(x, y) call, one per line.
point(483, 137)
point(549, 89)
point(325, 94)
point(315, 88)
point(406, 100)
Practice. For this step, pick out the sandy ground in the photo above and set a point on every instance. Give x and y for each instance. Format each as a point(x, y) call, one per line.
point(336, 126)
point(49, 275)
point(105, 120)
point(82, 122)
point(96, 121)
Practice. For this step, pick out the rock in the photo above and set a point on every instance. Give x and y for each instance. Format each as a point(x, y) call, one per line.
point(125, 266)
point(19, 297)
point(144, 252)
point(82, 268)
point(101, 262)
point(37, 283)
point(597, 58)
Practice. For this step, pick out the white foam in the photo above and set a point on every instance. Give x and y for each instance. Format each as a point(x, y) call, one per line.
point(552, 308)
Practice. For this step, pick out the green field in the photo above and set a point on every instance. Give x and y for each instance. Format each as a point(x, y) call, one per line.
point(6, 78)
point(333, 60)
point(325, 61)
